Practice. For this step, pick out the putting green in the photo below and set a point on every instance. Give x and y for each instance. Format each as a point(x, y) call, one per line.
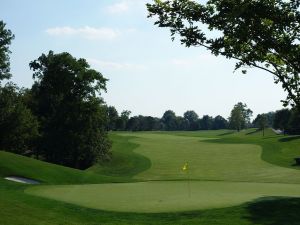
point(163, 196)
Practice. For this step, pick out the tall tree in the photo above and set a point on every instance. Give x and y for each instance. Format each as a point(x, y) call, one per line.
point(240, 116)
point(206, 122)
point(71, 115)
point(169, 120)
point(192, 118)
point(262, 34)
point(281, 119)
point(261, 121)
point(18, 127)
point(220, 123)
point(6, 37)
point(113, 117)
point(123, 119)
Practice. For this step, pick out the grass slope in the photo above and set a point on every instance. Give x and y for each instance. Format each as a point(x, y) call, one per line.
point(16, 165)
point(125, 162)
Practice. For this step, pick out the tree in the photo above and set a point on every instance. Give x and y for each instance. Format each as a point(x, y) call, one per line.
point(240, 116)
point(219, 123)
point(261, 121)
point(169, 120)
point(18, 126)
point(192, 119)
point(6, 37)
point(294, 123)
point(206, 122)
point(281, 119)
point(71, 116)
point(113, 116)
point(261, 34)
point(123, 119)
point(133, 124)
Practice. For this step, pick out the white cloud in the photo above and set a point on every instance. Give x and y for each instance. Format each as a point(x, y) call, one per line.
point(119, 7)
point(101, 64)
point(86, 32)
point(126, 6)
point(195, 61)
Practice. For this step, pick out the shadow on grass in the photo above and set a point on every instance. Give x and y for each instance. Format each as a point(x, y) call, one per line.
point(226, 133)
point(275, 211)
point(253, 132)
point(290, 138)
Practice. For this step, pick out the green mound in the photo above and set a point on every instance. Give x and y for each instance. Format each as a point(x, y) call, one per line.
point(163, 196)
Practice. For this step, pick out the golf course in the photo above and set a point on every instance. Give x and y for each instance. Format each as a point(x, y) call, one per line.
point(232, 178)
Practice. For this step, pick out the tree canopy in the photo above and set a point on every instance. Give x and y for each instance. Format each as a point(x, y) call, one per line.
point(72, 116)
point(240, 116)
point(6, 37)
point(262, 34)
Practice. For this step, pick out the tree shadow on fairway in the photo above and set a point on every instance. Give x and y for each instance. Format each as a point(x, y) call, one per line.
point(253, 132)
point(226, 133)
point(287, 139)
point(275, 211)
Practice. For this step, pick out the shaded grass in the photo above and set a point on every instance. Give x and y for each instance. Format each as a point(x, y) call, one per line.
point(125, 162)
point(16, 165)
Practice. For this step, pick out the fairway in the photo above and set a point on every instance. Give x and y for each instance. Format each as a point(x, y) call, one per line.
point(222, 175)
point(164, 196)
point(208, 161)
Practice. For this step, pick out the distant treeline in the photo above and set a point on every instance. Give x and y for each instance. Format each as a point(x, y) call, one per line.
point(286, 120)
point(169, 121)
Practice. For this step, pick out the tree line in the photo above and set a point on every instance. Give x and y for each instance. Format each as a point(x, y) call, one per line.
point(286, 120)
point(169, 121)
point(190, 121)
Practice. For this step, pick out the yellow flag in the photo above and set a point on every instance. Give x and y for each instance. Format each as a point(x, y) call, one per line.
point(185, 167)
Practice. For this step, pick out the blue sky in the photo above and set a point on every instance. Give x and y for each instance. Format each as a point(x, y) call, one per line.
point(148, 73)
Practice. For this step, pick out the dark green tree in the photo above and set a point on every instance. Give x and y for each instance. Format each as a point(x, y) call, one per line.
point(240, 116)
point(113, 117)
point(261, 122)
point(220, 123)
point(294, 123)
point(169, 120)
point(71, 115)
point(281, 119)
point(192, 118)
point(6, 37)
point(261, 34)
point(18, 126)
point(122, 120)
point(206, 122)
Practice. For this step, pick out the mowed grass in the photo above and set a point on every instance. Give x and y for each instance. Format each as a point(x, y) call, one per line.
point(207, 160)
point(241, 173)
point(130, 164)
point(164, 196)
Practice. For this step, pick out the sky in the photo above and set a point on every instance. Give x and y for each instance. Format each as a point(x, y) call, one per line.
point(148, 73)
